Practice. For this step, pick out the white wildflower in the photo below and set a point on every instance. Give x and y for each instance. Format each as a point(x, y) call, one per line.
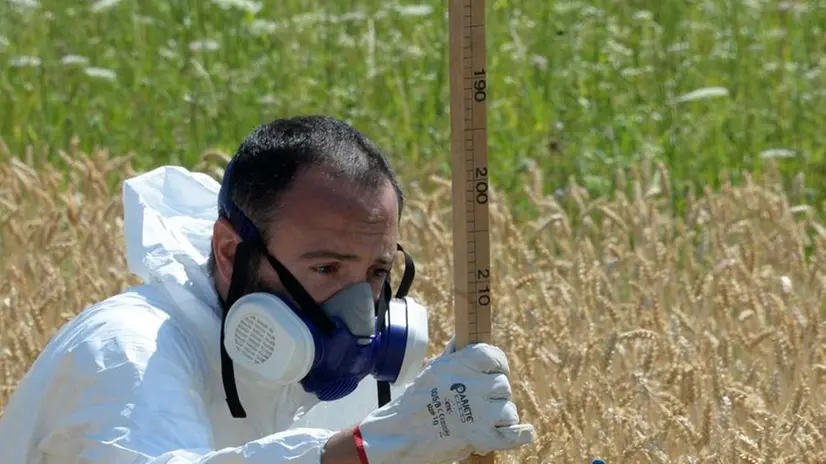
point(24, 61)
point(102, 5)
point(204, 45)
point(101, 73)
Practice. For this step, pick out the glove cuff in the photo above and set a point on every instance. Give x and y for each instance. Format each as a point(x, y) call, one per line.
point(360, 445)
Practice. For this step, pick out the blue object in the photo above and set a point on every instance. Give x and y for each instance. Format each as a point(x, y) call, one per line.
point(597, 461)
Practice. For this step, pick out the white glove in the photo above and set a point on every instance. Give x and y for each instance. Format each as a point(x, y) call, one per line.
point(457, 406)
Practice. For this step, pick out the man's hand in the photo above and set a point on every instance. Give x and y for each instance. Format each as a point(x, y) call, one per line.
point(459, 405)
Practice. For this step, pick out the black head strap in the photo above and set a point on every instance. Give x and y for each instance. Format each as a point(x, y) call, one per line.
point(236, 289)
point(383, 387)
point(407, 277)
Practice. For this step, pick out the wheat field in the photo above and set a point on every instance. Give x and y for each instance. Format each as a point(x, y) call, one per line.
point(635, 334)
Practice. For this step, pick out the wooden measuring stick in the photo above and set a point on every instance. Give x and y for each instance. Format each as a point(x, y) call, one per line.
point(468, 124)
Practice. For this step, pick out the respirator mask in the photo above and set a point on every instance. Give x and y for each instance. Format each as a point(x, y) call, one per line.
point(327, 347)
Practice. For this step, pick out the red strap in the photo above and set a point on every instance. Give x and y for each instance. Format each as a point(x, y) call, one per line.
point(360, 445)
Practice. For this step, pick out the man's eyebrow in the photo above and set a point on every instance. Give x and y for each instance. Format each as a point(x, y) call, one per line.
point(315, 254)
point(324, 253)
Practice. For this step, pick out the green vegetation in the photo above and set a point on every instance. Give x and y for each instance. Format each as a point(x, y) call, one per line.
point(577, 88)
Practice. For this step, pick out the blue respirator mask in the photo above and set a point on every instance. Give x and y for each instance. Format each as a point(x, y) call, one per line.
point(329, 347)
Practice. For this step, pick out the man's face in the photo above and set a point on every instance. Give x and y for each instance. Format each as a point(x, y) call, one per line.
point(328, 234)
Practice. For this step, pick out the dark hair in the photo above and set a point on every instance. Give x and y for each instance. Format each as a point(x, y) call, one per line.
point(273, 155)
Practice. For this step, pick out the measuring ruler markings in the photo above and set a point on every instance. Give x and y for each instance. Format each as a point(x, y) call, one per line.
point(471, 221)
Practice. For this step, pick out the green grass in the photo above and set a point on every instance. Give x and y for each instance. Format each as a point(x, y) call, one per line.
point(576, 88)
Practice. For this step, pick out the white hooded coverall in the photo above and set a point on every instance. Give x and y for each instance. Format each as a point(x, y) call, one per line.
point(136, 378)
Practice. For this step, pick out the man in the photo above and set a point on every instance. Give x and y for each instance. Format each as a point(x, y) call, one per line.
point(212, 360)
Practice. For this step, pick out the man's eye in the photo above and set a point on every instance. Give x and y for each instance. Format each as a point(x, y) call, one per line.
point(326, 268)
point(381, 272)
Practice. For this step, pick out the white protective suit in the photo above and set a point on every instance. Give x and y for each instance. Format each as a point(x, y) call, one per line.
point(136, 378)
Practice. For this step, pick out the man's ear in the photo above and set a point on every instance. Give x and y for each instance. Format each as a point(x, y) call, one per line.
point(224, 242)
